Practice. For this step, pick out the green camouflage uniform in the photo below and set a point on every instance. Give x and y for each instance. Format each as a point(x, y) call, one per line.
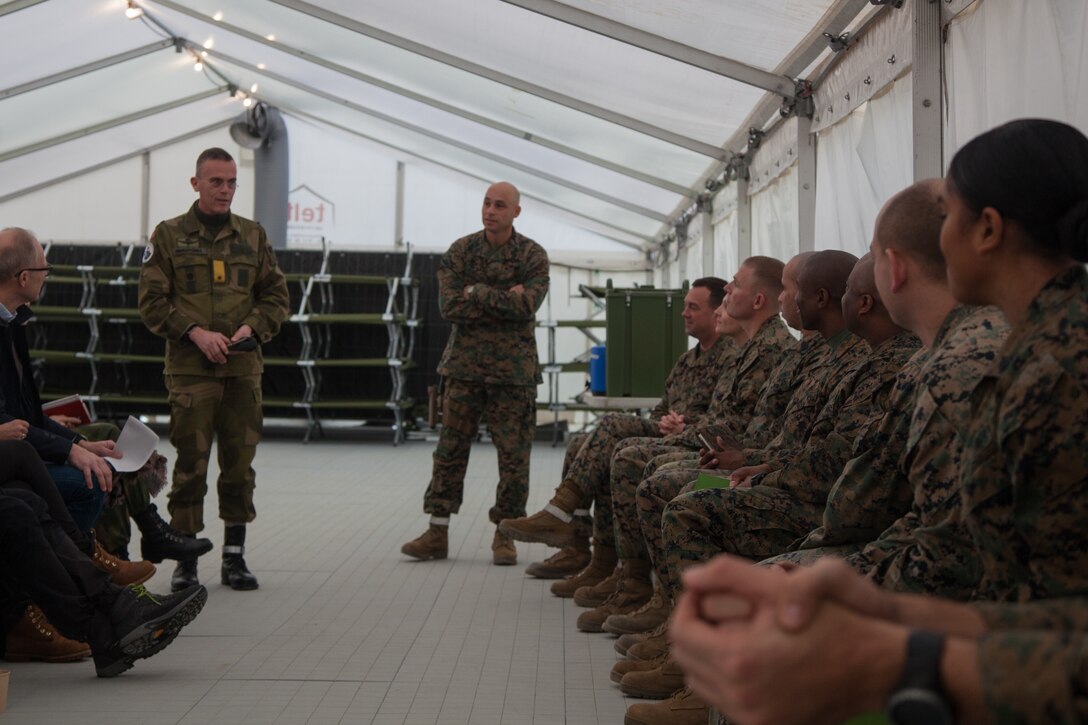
point(826, 365)
point(490, 366)
point(1032, 661)
point(1024, 475)
point(631, 463)
point(220, 284)
point(686, 393)
point(765, 519)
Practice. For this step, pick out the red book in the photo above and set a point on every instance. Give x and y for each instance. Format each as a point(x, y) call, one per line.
point(71, 405)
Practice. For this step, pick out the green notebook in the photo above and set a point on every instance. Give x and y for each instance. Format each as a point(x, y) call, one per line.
point(712, 480)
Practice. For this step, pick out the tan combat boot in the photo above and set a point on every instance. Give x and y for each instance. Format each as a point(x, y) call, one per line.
point(597, 594)
point(622, 667)
point(33, 638)
point(433, 544)
point(553, 525)
point(503, 552)
point(567, 561)
point(648, 617)
point(651, 645)
point(122, 573)
point(632, 592)
point(599, 568)
point(684, 707)
point(656, 684)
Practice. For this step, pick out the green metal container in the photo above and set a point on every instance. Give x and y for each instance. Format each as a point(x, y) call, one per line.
point(645, 336)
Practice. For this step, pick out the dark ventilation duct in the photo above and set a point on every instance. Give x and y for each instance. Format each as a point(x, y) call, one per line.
point(262, 129)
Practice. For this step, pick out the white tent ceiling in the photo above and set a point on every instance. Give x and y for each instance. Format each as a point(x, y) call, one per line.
point(602, 128)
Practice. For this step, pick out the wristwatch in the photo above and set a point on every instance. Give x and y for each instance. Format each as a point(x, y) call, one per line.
point(919, 699)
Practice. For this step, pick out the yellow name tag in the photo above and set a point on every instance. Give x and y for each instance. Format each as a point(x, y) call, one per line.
point(219, 271)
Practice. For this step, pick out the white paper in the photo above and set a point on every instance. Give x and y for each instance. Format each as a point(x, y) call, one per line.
point(135, 443)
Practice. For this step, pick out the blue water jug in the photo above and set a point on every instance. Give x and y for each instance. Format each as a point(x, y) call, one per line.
point(597, 370)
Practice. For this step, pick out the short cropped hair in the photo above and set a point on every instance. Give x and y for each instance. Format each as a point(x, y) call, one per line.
point(19, 251)
point(213, 154)
point(768, 274)
point(715, 286)
point(911, 223)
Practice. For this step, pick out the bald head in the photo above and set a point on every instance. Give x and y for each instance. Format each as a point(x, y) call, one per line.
point(787, 299)
point(910, 222)
point(18, 250)
point(827, 270)
point(502, 204)
point(506, 190)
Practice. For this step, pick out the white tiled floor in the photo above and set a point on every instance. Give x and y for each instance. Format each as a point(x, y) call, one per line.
point(344, 629)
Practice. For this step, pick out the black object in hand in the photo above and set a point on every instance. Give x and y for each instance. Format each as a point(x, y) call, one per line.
point(246, 344)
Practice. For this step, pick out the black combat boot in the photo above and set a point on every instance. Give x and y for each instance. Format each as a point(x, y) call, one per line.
point(234, 572)
point(159, 540)
point(184, 576)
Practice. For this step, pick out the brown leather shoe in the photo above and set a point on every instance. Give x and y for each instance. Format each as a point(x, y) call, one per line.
point(434, 543)
point(684, 707)
point(33, 638)
point(122, 573)
point(648, 617)
point(503, 552)
point(566, 562)
point(548, 526)
point(599, 568)
point(656, 684)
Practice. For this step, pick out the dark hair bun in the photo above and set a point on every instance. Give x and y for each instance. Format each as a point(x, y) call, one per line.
point(1073, 231)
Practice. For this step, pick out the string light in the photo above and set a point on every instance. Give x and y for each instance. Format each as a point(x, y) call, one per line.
point(218, 16)
point(247, 101)
point(253, 88)
point(133, 11)
point(198, 66)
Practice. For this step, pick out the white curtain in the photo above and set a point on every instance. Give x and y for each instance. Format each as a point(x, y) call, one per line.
point(860, 162)
point(1008, 59)
point(725, 246)
point(774, 218)
point(694, 251)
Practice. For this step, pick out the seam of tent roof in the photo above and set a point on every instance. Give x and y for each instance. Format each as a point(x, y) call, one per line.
point(837, 18)
point(482, 153)
point(79, 70)
point(115, 160)
point(17, 5)
point(720, 65)
point(476, 69)
point(104, 125)
point(428, 100)
point(288, 109)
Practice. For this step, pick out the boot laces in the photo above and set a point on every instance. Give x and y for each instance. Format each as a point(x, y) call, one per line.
point(141, 592)
point(37, 618)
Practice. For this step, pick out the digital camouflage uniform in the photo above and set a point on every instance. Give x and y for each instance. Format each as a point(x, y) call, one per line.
point(1032, 661)
point(1024, 476)
point(220, 284)
point(490, 366)
point(756, 363)
point(686, 393)
point(827, 364)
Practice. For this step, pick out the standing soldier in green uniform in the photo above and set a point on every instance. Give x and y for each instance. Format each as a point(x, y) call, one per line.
point(211, 286)
point(490, 285)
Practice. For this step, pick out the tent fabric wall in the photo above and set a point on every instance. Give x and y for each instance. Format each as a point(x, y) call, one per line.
point(860, 162)
point(725, 246)
point(774, 218)
point(1010, 59)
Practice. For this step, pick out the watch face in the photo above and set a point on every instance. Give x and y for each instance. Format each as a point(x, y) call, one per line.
point(916, 706)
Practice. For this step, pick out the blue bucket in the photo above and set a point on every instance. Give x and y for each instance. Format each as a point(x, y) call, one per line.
point(597, 370)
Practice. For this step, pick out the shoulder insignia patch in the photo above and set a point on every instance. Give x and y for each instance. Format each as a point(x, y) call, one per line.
point(149, 252)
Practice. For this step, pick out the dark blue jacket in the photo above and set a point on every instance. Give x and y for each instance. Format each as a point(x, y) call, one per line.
point(19, 399)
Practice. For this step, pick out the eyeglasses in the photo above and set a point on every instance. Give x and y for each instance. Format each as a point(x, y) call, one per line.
point(47, 269)
point(217, 183)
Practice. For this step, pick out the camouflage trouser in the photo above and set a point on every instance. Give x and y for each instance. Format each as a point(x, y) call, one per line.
point(203, 408)
point(679, 459)
point(511, 415)
point(574, 445)
point(651, 497)
point(589, 471)
point(756, 523)
point(629, 469)
point(112, 529)
point(808, 557)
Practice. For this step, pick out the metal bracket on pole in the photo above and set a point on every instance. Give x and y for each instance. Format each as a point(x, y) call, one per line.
point(892, 3)
point(838, 43)
point(801, 104)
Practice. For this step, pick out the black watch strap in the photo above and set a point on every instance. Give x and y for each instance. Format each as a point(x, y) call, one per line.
point(919, 697)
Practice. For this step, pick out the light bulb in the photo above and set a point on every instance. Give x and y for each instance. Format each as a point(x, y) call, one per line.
point(198, 66)
point(253, 88)
point(247, 102)
point(218, 16)
point(133, 12)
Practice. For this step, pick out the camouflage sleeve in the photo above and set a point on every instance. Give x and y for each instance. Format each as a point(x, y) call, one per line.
point(1034, 677)
point(156, 291)
point(452, 302)
point(1062, 614)
point(518, 306)
point(271, 300)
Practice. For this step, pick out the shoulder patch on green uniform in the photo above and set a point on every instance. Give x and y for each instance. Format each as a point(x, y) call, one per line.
point(149, 252)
